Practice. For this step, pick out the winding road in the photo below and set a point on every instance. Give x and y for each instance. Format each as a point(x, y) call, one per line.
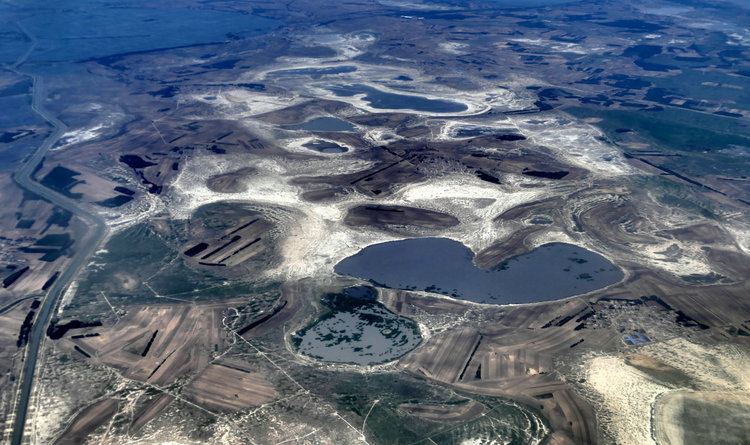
point(86, 247)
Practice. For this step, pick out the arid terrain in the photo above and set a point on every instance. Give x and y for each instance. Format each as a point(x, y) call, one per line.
point(175, 208)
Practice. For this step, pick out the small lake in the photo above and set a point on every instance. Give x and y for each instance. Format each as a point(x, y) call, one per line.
point(359, 331)
point(392, 101)
point(445, 266)
point(322, 124)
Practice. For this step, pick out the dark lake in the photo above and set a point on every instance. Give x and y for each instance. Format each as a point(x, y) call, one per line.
point(444, 266)
point(322, 124)
point(393, 101)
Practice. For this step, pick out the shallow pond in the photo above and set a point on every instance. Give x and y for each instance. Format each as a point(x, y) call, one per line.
point(444, 266)
point(359, 331)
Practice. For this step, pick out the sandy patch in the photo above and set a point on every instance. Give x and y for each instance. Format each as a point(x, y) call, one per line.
point(625, 397)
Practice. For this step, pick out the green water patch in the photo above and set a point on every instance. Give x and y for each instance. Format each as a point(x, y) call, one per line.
point(357, 330)
point(673, 129)
point(139, 265)
point(379, 397)
point(702, 144)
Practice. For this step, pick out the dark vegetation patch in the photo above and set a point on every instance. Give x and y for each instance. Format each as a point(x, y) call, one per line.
point(150, 342)
point(168, 91)
point(84, 353)
point(23, 334)
point(727, 114)
point(223, 65)
point(195, 250)
point(560, 320)
point(547, 175)
point(252, 86)
point(50, 254)
point(135, 161)
point(627, 82)
point(89, 335)
point(633, 25)
point(642, 51)
point(61, 240)
point(50, 281)
point(12, 278)
point(56, 330)
point(218, 249)
point(651, 66)
point(689, 322)
point(115, 201)
point(247, 224)
point(62, 180)
point(24, 224)
point(471, 356)
point(510, 137)
point(60, 217)
point(398, 215)
point(484, 176)
point(576, 343)
point(137, 164)
point(124, 190)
